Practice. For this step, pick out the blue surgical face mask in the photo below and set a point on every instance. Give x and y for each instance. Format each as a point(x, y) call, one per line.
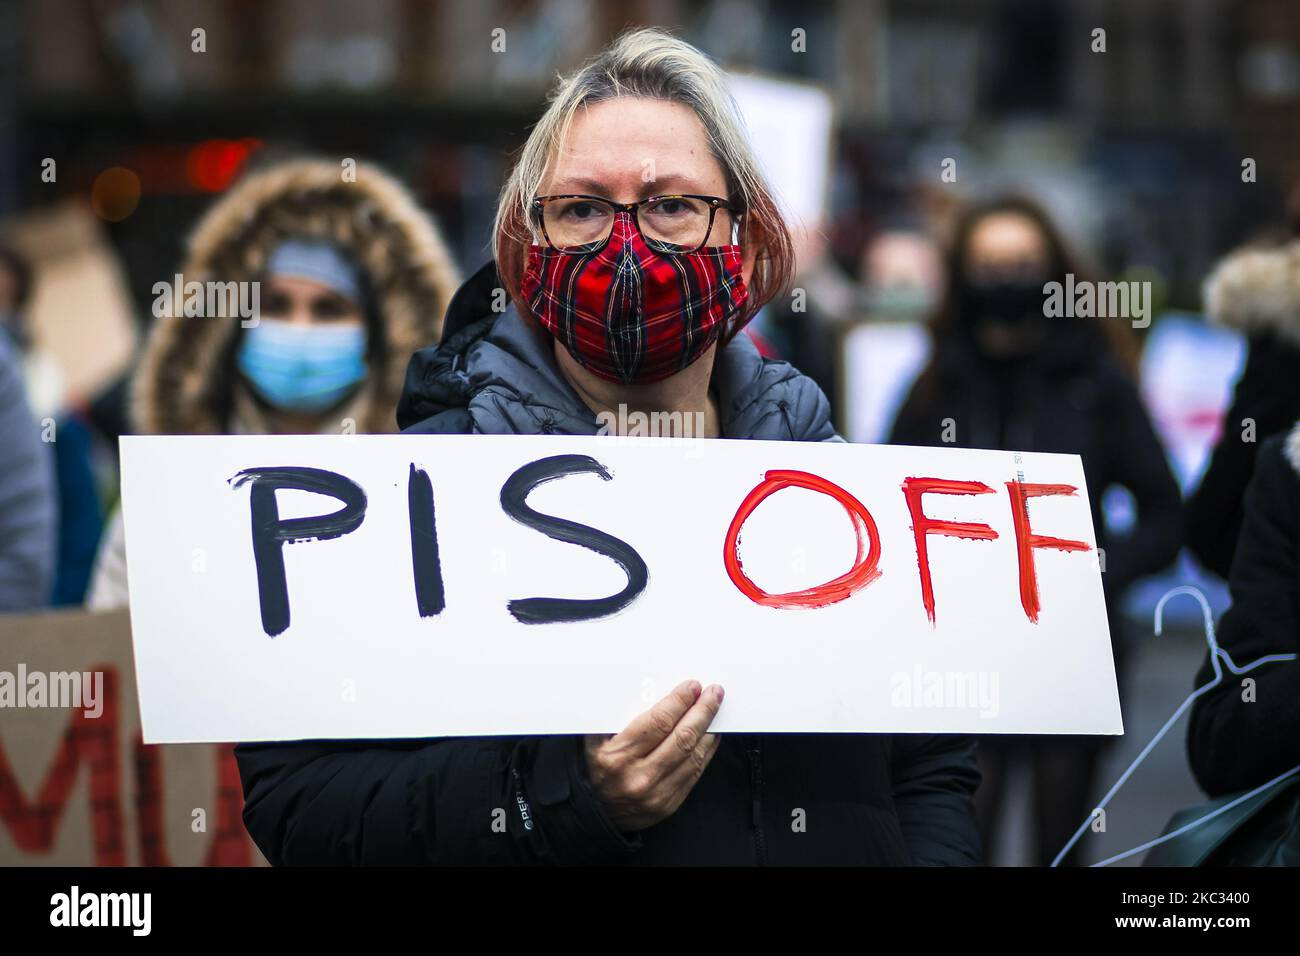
point(303, 368)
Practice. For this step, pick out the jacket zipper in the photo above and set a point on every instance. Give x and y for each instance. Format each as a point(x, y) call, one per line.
point(754, 750)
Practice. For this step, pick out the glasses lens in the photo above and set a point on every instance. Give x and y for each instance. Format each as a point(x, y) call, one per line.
point(675, 223)
point(572, 224)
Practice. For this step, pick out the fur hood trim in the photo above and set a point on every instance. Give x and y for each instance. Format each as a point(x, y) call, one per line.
point(1256, 291)
point(184, 383)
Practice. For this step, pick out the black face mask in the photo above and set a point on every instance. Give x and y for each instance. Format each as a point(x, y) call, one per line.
point(1005, 318)
point(1015, 302)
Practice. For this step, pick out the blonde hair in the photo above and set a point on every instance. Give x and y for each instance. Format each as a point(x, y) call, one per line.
point(654, 64)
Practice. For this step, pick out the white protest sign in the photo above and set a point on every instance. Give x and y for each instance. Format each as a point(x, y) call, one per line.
point(292, 587)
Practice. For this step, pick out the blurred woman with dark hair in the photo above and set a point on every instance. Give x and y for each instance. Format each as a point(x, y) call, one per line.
point(1004, 375)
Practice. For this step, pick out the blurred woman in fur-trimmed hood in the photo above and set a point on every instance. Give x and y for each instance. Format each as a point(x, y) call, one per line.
point(1255, 291)
point(348, 277)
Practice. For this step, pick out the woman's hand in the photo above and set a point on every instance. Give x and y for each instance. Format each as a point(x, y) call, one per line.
point(643, 774)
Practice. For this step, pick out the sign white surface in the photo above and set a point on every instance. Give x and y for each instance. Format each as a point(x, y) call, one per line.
point(356, 650)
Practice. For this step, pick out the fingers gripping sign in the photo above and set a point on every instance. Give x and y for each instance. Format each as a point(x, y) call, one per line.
point(645, 772)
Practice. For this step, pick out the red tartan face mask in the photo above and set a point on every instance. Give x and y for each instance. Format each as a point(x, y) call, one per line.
point(629, 314)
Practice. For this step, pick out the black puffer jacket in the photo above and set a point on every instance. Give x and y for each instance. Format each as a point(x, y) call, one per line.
point(1235, 743)
point(765, 798)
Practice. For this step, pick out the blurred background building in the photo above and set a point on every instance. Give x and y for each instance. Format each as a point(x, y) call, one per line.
point(1144, 137)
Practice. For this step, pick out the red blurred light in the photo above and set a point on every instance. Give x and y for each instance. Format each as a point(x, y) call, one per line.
point(215, 163)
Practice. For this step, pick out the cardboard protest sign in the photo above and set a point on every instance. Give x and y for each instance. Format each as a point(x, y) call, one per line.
point(291, 587)
point(78, 787)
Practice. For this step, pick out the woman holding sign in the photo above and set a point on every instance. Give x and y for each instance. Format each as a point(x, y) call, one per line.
point(635, 238)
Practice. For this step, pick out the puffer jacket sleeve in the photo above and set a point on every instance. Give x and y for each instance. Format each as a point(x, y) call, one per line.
point(476, 801)
point(935, 777)
point(805, 409)
point(819, 427)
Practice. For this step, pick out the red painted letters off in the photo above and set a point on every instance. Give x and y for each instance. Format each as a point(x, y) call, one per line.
point(865, 566)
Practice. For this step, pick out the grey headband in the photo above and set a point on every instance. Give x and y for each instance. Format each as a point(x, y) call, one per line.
point(319, 261)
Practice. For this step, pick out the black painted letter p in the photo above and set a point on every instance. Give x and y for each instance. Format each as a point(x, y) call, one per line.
point(271, 532)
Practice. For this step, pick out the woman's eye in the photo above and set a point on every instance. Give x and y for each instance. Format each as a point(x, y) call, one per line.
point(275, 305)
point(669, 207)
point(584, 210)
point(330, 309)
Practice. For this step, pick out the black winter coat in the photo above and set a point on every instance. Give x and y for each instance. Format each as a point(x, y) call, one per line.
point(1235, 744)
point(1267, 394)
point(766, 798)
